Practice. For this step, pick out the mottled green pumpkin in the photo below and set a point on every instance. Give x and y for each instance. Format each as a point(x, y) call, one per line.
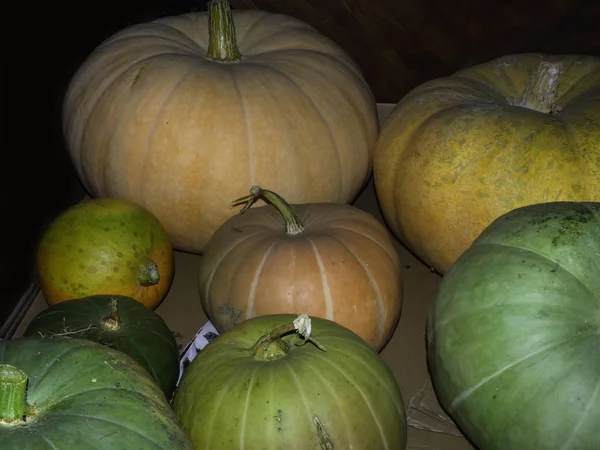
point(75, 394)
point(105, 246)
point(260, 386)
point(514, 334)
point(118, 322)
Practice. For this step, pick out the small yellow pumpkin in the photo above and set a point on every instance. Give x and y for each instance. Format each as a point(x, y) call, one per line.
point(182, 114)
point(326, 260)
point(458, 152)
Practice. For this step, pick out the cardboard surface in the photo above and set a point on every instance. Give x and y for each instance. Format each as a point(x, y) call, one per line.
point(429, 427)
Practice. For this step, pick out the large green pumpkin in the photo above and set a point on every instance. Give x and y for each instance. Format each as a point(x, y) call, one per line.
point(118, 322)
point(80, 395)
point(259, 387)
point(514, 335)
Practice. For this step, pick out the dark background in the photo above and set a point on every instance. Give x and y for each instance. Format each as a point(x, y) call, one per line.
point(397, 43)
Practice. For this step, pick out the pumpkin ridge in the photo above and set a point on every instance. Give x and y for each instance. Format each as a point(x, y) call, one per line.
point(325, 122)
point(250, 29)
point(380, 303)
point(351, 356)
point(460, 398)
point(541, 255)
point(218, 404)
point(588, 407)
point(296, 382)
point(38, 379)
point(368, 236)
point(324, 281)
point(217, 264)
point(247, 126)
point(252, 292)
point(119, 425)
point(246, 403)
point(332, 394)
point(153, 128)
point(362, 394)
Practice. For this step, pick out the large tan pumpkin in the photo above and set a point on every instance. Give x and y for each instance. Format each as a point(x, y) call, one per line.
point(458, 152)
point(170, 115)
point(326, 260)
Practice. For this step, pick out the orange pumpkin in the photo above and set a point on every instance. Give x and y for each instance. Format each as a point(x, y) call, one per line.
point(326, 260)
point(182, 114)
point(105, 246)
point(460, 151)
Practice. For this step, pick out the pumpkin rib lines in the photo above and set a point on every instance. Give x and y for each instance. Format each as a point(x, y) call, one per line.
point(334, 141)
point(47, 441)
point(219, 403)
point(326, 289)
point(588, 407)
point(251, 29)
point(529, 250)
point(340, 408)
point(119, 425)
point(217, 264)
point(298, 384)
point(460, 398)
point(245, 413)
point(153, 127)
point(252, 293)
point(381, 309)
point(249, 136)
point(50, 365)
point(368, 236)
point(368, 368)
point(364, 397)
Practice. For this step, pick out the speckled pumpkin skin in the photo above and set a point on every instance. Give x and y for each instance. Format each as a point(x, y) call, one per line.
point(455, 154)
point(96, 247)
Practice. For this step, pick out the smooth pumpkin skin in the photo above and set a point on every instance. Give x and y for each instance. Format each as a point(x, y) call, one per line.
point(87, 397)
point(227, 400)
point(97, 247)
point(455, 154)
point(513, 336)
point(342, 267)
point(149, 118)
point(141, 333)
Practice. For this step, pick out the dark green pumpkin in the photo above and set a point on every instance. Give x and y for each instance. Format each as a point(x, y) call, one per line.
point(514, 334)
point(81, 395)
point(120, 323)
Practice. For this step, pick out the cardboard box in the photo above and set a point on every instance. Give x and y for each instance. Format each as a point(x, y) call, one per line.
point(429, 428)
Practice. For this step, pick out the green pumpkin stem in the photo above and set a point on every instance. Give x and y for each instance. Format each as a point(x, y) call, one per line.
point(542, 90)
point(112, 322)
point(148, 274)
point(270, 346)
point(13, 394)
point(293, 225)
point(222, 44)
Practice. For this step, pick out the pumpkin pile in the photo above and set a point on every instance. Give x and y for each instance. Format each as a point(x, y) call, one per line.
point(490, 176)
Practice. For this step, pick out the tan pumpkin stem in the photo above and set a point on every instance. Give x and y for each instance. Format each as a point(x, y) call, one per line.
point(148, 274)
point(13, 394)
point(542, 90)
point(222, 43)
point(293, 224)
point(270, 346)
point(112, 322)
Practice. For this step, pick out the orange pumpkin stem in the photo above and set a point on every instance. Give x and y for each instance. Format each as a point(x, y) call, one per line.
point(222, 44)
point(271, 346)
point(293, 224)
point(542, 90)
point(112, 322)
point(13, 394)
